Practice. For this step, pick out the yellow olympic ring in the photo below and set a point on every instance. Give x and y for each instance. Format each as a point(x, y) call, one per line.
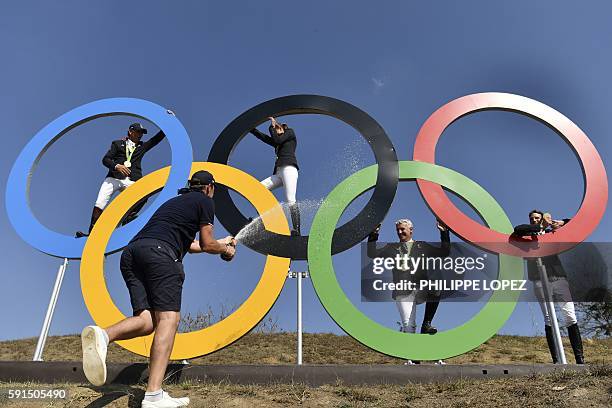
point(198, 343)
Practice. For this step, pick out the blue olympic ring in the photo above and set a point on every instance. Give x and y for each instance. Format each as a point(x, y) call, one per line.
point(18, 185)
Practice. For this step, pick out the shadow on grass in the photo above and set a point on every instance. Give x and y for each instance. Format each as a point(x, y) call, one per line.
point(134, 373)
point(136, 396)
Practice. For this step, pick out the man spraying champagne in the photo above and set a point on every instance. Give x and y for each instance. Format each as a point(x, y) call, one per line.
point(152, 268)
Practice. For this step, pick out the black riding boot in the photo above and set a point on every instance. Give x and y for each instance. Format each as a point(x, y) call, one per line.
point(95, 214)
point(295, 218)
point(573, 333)
point(430, 311)
point(551, 343)
point(132, 214)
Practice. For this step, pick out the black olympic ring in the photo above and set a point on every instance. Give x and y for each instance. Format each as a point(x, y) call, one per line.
point(349, 234)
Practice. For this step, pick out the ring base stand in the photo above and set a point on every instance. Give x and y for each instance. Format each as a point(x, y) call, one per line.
point(552, 314)
point(44, 332)
point(299, 276)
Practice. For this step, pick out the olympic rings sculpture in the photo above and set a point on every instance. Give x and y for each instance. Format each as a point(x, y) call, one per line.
point(595, 196)
point(352, 232)
point(18, 184)
point(324, 239)
point(187, 345)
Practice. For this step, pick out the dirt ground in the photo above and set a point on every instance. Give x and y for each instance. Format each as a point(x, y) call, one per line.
point(586, 389)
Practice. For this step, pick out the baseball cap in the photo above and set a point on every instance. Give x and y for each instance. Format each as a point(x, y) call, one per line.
point(201, 178)
point(138, 128)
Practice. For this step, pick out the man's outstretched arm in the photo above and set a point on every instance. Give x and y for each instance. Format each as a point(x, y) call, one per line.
point(262, 136)
point(372, 249)
point(445, 246)
point(207, 243)
point(154, 141)
point(524, 230)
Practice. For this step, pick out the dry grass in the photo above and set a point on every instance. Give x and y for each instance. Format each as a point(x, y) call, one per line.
point(586, 389)
point(279, 348)
point(592, 388)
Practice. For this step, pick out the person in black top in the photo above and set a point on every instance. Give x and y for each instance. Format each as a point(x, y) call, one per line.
point(152, 268)
point(123, 161)
point(282, 138)
point(539, 224)
point(406, 300)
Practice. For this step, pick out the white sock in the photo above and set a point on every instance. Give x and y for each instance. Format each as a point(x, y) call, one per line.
point(154, 395)
point(105, 336)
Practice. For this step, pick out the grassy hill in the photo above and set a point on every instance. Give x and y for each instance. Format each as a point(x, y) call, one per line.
point(592, 388)
point(279, 348)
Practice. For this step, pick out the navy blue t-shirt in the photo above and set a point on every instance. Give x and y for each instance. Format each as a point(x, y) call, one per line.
point(179, 219)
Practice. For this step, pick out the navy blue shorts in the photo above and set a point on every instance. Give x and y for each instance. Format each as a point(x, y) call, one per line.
point(153, 274)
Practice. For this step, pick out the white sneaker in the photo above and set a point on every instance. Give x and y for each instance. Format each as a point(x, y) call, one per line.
point(166, 402)
point(440, 362)
point(94, 346)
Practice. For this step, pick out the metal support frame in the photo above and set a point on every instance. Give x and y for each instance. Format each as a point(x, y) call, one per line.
point(44, 332)
point(550, 308)
point(299, 276)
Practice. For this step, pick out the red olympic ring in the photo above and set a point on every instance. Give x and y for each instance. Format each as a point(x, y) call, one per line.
point(595, 196)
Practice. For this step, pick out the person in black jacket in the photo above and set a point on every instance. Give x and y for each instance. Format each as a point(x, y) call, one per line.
point(282, 138)
point(123, 161)
point(539, 224)
point(406, 300)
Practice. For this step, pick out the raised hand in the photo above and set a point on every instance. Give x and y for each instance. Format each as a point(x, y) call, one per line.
point(441, 226)
point(373, 236)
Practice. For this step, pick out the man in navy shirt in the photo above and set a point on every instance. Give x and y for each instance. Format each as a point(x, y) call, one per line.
point(152, 268)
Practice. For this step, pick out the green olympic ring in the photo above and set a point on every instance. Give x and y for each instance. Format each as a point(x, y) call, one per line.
point(458, 340)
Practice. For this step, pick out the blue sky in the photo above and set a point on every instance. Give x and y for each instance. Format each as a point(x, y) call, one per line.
point(211, 61)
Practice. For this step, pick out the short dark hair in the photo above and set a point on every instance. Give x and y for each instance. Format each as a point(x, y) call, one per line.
point(536, 212)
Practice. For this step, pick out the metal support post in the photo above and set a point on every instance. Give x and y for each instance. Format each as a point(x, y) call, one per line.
point(44, 332)
point(299, 276)
point(550, 307)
